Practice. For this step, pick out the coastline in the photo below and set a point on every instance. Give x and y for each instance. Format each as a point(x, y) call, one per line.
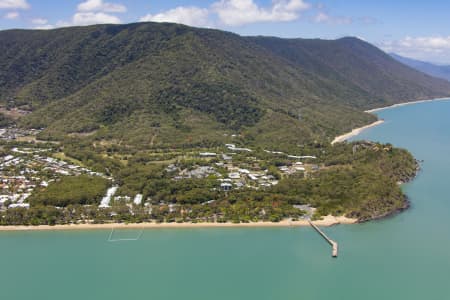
point(356, 131)
point(326, 221)
point(405, 103)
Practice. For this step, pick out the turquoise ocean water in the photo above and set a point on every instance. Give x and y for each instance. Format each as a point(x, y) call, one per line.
point(403, 257)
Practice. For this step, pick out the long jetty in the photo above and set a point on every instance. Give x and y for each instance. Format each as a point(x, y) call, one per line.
point(333, 244)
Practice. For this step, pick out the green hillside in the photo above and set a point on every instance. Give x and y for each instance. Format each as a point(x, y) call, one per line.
point(141, 104)
point(159, 85)
point(370, 73)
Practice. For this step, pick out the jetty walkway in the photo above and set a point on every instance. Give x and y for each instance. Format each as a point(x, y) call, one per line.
point(333, 244)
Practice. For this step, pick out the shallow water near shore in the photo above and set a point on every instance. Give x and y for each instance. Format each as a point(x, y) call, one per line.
point(406, 256)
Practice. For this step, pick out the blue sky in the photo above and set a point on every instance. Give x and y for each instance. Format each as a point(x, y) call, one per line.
point(417, 29)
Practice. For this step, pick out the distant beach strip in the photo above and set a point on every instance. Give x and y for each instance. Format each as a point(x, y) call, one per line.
point(406, 103)
point(356, 131)
point(325, 221)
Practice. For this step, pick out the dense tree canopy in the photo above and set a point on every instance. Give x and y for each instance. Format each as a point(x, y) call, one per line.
point(80, 190)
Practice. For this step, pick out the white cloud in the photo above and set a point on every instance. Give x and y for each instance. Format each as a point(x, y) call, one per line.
point(100, 6)
point(39, 21)
point(89, 12)
point(232, 13)
point(84, 19)
point(14, 4)
point(92, 12)
point(44, 27)
point(323, 17)
point(192, 16)
point(89, 18)
point(428, 48)
point(240, 12)
point(12, 15)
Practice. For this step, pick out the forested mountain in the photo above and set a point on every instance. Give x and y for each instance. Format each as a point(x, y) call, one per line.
point(156, 85)
point(425, 67)
point(358, 65)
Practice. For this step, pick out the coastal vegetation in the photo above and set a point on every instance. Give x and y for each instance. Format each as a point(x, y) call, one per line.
point(151, 85)
point(358, 180)
point(183, 124)
point(81, 190)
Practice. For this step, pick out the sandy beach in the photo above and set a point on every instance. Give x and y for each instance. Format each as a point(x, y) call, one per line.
point(355, 132)
point(326, 221)
point(404, 104)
